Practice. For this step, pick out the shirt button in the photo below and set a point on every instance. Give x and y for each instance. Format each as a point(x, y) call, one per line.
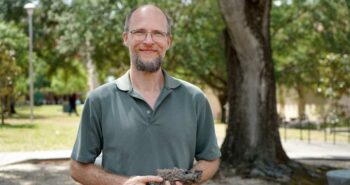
point(148, 112)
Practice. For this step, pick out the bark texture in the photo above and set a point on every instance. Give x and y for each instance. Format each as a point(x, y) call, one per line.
point(223, 100)
point(90, 65)
point(252, 144)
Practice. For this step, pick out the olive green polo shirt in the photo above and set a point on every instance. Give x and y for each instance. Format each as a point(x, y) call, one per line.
point(136, 139)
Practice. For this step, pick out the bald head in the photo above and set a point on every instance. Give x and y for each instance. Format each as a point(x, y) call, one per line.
point(147, 9)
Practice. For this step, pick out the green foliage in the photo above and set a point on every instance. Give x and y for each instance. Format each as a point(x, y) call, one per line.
point(66, 83)
point(45, 38)
point(11, 49)
point(292, 37)
point(12, 11)
point(197, 52)
point(335, 75)
point(311, 44)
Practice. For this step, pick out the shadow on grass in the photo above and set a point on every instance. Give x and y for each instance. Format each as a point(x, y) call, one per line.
point(26, 116)
point(18, 126)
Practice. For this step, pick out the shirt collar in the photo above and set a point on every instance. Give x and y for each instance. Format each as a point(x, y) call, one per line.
point(124, 83)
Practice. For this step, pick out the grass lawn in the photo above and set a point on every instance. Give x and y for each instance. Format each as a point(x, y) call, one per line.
point(51, 130)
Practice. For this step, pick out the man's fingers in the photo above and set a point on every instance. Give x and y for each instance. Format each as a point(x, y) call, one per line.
point(177, 183)
point(149, 178)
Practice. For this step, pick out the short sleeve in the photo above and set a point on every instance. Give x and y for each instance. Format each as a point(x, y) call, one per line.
point(88, 144)
point(206, 147)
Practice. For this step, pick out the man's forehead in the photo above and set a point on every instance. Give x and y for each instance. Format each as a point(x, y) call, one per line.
point(147, 11)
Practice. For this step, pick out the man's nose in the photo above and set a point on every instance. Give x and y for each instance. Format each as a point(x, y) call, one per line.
point(148, 39)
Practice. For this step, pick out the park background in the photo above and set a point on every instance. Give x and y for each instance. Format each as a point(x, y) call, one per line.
point(78, 46)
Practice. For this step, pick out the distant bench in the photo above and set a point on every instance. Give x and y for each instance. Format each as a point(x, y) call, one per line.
point(338, 177)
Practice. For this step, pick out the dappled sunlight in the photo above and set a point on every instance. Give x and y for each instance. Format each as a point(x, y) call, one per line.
point(220, 131)
point(24, 167)
point(30, 173)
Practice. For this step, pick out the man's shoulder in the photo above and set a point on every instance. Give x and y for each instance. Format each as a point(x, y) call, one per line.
point(103, 90)
point(190, 88)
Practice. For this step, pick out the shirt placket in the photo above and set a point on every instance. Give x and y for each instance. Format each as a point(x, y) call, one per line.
point(151, 113)
point(146, 110)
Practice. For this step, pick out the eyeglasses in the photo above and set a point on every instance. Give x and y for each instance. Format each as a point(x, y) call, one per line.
point(141, 35)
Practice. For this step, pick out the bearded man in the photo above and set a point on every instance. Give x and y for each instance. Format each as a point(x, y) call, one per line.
point(146, 119)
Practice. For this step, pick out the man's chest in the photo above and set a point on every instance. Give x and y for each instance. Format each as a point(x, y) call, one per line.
point(134, 122)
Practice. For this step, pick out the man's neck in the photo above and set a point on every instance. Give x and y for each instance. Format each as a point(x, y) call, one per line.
point(146, 81)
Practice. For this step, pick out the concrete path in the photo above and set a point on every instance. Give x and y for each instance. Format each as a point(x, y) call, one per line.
point(295, 149)
point(15, 157)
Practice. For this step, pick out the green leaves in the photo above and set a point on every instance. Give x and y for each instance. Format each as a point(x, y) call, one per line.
point(308, 40)
point(12, 45)
point(12, 48)
point(335, 75)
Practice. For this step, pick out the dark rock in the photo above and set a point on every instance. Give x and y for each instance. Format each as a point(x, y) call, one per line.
point(186, 177)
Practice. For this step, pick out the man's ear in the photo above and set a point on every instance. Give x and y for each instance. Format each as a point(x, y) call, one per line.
point(170, 41)
point(125, 38)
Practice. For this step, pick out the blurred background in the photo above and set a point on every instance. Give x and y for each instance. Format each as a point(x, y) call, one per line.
point(77, 46)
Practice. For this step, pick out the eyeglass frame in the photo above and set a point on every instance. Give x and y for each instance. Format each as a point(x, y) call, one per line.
point(152, 33)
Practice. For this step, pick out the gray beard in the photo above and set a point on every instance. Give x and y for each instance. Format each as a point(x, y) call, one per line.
point(147, 66)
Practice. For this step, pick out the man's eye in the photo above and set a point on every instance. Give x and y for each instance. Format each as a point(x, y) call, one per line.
point(158, 34)
point(139, 32)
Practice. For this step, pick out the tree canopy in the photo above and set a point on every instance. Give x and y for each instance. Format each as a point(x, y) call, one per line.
point(308, 38)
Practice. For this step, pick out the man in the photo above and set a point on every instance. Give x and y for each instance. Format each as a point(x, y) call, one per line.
point(145, 120)
point(72, 104)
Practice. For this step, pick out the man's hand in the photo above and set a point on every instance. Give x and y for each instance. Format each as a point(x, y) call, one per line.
point(176, 183)
point(143, 180)
point(209, 168)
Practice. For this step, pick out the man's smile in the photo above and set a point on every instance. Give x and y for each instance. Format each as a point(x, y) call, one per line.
point(148, 51)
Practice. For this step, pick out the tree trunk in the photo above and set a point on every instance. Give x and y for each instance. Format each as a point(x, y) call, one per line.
point(281, 101)
point(301, 102)
point(2, 110)
point(90, 66)
point(252, 144)
point(223, 100)
point(2, 117)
